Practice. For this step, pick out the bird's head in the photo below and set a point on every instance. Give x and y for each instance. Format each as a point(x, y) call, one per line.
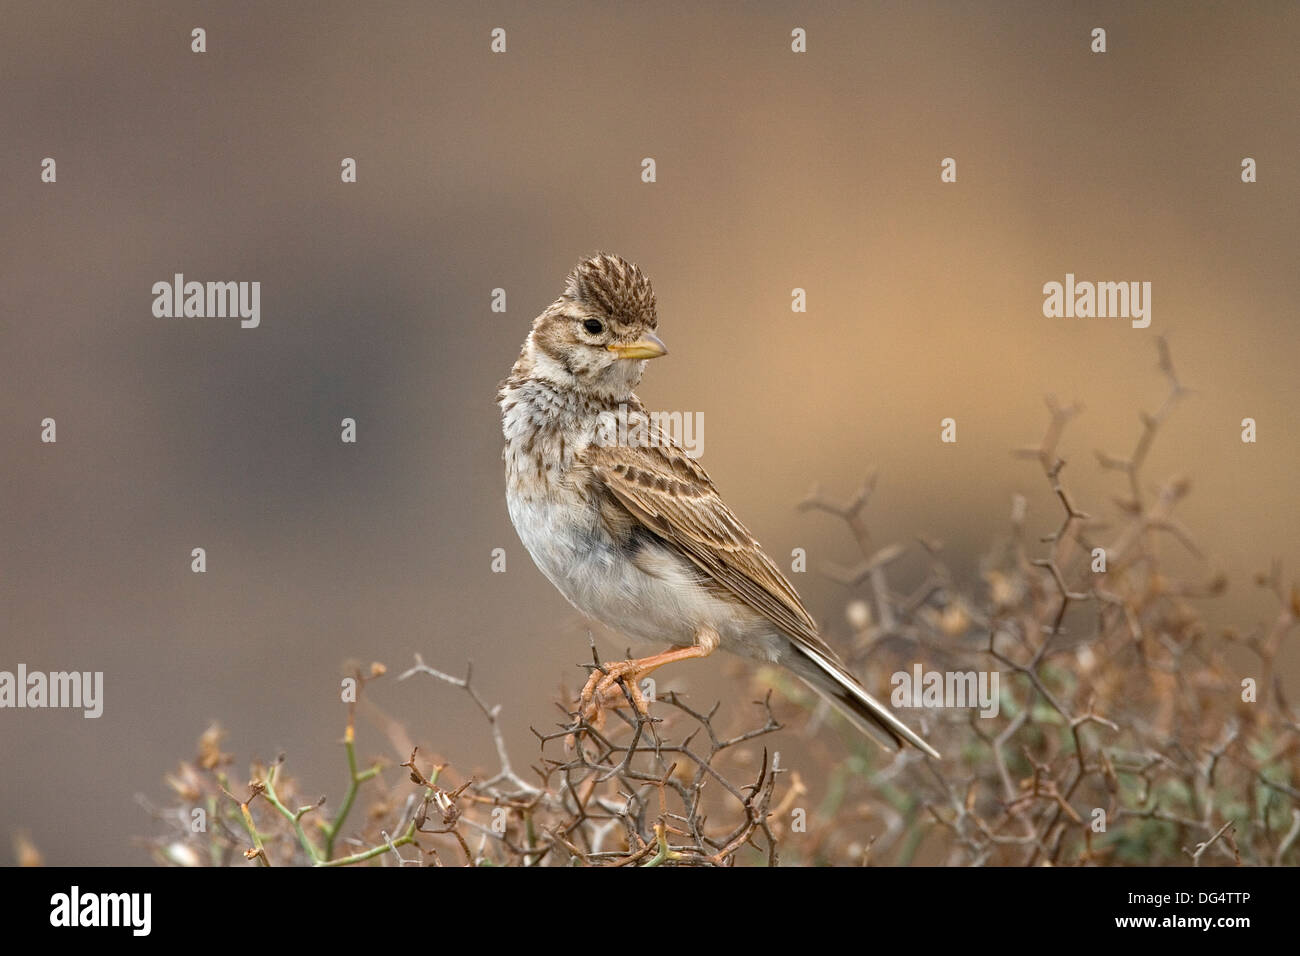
point(598, 335)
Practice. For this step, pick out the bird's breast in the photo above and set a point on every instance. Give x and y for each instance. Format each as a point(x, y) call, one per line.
point(615, 571)
point(569, 544)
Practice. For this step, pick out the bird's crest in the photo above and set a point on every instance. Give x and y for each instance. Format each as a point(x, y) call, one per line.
point(616, 287)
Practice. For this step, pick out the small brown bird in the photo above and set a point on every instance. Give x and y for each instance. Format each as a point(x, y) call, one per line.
point(635, 534)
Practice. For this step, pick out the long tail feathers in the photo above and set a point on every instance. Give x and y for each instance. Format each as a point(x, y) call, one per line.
point(836, 685)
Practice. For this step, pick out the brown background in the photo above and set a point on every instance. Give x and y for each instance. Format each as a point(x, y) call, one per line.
point(477, 171)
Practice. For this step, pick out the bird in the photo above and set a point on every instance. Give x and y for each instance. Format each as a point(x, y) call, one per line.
point(634, 533)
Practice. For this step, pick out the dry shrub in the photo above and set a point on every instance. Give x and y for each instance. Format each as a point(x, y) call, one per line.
point(1124, 734)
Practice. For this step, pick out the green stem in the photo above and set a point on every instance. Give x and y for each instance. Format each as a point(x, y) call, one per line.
point(294, 818)
point(256, 837)
point(663, 853)
point(214, 850)
point(374, 851)
point(531, 833)
point(355, 780)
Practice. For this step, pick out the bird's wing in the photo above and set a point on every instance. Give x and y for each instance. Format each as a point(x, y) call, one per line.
point(670, 494)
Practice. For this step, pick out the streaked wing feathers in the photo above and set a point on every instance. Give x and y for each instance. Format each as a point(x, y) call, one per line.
point(672, 495)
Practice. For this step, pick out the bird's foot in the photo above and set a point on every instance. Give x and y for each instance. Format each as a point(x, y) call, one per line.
point(618, 685)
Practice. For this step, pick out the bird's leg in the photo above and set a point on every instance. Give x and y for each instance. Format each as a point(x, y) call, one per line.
point(603, 690)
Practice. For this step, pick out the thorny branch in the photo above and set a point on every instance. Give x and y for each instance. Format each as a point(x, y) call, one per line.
point(625, 796)
point(1122, 737)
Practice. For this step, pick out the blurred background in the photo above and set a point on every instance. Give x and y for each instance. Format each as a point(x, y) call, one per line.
point(476, 170)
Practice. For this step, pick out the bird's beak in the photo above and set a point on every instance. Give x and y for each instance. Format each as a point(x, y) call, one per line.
point(647, 347)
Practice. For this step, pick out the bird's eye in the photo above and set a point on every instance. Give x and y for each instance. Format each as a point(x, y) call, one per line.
point(593, 326)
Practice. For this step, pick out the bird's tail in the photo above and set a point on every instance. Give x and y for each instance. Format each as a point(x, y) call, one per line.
point(836, 685)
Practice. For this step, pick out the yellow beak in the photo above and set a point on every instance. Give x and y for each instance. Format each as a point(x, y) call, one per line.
point(647, 347)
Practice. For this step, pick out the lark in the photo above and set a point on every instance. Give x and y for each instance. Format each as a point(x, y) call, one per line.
point(635, 534)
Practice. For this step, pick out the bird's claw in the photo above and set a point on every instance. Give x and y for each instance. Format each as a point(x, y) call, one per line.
point(606, 689)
